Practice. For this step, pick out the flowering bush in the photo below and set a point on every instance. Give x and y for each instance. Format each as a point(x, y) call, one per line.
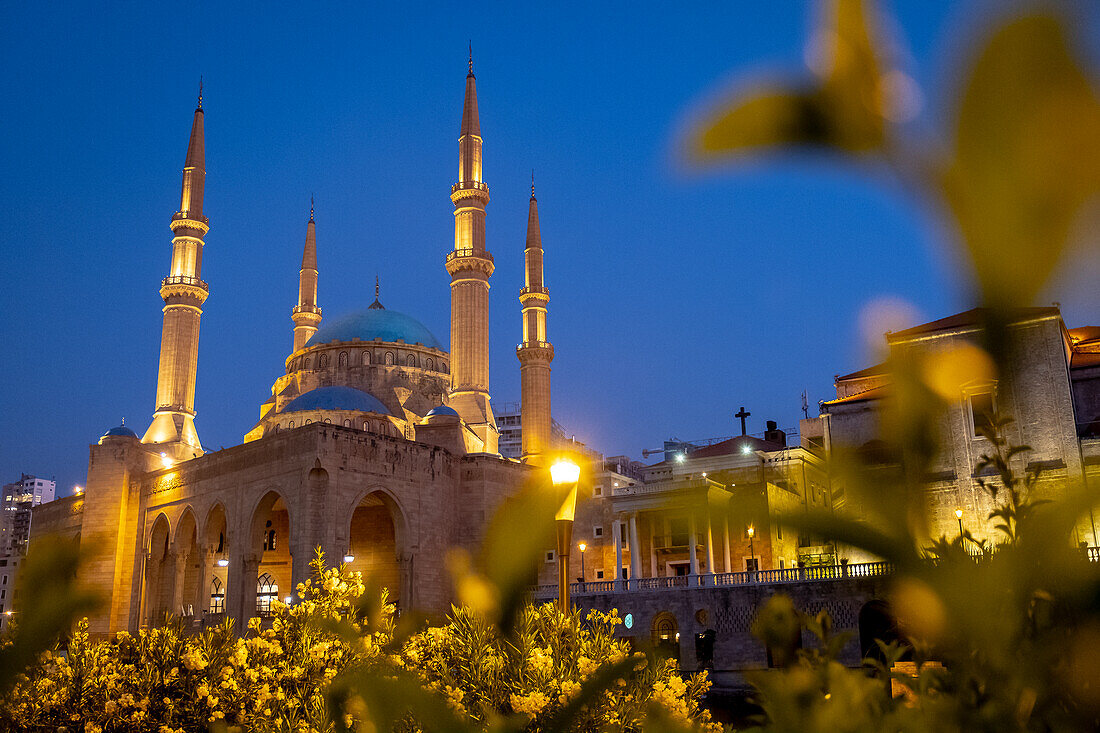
point(313, 666)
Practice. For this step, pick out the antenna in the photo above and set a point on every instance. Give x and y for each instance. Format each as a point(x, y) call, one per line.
point(805, 405)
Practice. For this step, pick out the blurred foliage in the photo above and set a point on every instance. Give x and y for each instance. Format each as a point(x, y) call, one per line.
point(338, 660)
point(1003, 632)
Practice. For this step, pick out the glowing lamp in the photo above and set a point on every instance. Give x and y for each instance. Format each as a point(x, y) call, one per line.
point(746, 449)
point(582, 547)
point(288, 600)
point(679, 457)
point(565, 472)
point(223, 562)
point(750, 532)
point(349, 557)
point(958, 514)
point(165, 460)
point(78, 490)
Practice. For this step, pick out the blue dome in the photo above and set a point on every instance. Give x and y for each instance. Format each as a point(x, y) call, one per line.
point(372, 323)
point(336, 398)
point(120, 432)
point(441, 410)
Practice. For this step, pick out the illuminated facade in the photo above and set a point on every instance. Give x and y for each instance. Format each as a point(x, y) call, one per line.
point(378, 443)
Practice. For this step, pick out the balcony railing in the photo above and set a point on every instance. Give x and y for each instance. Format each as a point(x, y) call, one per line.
point(717, 580)
point(482, 254)
point(184, 280)
point(466, 185)
point(535, 289)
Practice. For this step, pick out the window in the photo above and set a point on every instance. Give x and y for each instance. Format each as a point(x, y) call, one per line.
point(290, 424)
point(443, 368)
point(410, 360)
point(322, 361)
point(347, 423)
point(342, 360)
point(549, 556)
point(267, 590)
point(778, 528)
point(429, 364)
point(597, 531)
point(752, 564)
point(221, 542)
point(217, 596)
point(3, 593)
point(781, 565)
point(597, 490)
point(599, 575)
point(366, 358)
point(624, 572)
point(269, 537)
point(981, 412)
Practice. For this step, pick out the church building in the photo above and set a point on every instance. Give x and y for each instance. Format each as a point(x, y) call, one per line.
point(378, 444)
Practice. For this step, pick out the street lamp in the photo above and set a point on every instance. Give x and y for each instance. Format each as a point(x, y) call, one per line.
point(752, 551)
point(959, 516)
point(582, 547)
point(565, 474)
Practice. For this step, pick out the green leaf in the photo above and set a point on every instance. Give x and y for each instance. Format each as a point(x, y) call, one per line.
point(1026, 157)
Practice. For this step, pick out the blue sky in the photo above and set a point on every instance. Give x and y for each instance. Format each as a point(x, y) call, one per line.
point(676, 297)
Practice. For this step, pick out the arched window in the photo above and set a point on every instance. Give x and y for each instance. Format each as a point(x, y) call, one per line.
point(328, 421)
point(443, 367)
point(221, 542)
point(410, 360)
point(217, 596)
point(290, 424)
point(366, 426)
point(308, 421)
point(429, 363)
point(322, 361)
point(366, 358)
point(347, 423)
point(276, 429)
point(343, 359)
point(267, 590)
point(305, 363)
point(269, 537)
point(389, 358)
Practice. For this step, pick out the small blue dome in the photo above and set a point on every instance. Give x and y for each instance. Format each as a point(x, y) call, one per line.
point(336, 398)
point(441, 410)
point(372, 323)
point(120, 432)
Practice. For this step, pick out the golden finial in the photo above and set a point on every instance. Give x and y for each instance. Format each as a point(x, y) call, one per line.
point(200, 91)
point(376, 287)
point(532, 183)
point(311, 207)
point(471, 56)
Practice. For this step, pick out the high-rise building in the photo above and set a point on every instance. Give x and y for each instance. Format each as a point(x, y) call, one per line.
point(15, 529)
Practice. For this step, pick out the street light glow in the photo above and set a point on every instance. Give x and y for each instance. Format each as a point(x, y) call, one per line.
point(223, 562)
point(349, 557)
point(582, 547)
point(958, 514)
point(750, 531)
point(565, 472)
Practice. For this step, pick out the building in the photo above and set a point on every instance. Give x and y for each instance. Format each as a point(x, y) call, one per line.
point(1049, 387)
point(378, 444)
point(510, 422)
point(15, 530)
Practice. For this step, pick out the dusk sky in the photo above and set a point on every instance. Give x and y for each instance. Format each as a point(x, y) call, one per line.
point(676, 297)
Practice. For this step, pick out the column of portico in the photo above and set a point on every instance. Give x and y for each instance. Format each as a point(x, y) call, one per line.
point(692, 540)
point(652, 548)
point(240, 596)
point(202, 591)
point(617, 538)
point(179, 568)
point(726, 541)
point(710, 539)
point(635, 549)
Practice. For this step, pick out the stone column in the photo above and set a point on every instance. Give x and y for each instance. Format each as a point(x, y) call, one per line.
point(202, 592)
point(710, 539)
point(240, 595)
point(692, 541)
point(726, 541)
point(617, 537)
point(179, 570)
point(635, 549)
point(652, 549)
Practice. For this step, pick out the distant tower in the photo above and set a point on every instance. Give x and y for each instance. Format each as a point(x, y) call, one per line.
point(536, 352)
point(306, 315)
point(184, 292)
point(470, 267)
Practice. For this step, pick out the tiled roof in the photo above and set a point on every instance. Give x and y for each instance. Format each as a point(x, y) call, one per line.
point(971, 318)
point(872, 394)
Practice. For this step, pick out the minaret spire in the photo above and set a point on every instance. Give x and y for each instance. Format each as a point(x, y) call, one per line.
point(184, 293)
point(306, 315)
point(377, 304)
point(536, 352)
point(470, 266)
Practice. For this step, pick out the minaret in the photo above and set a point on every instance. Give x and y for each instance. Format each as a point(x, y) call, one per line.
point(306, 315)
point(536, 352)
point(184, 292)
point(470, 267)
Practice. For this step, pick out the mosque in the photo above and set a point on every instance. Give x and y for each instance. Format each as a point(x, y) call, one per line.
point(378, 444)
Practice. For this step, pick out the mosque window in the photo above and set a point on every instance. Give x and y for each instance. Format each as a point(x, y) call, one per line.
point(267, 590)
point(429, 364)
point(366, 426)
point(305, 363)
point(410, 360)
point(308, 421)
point(217, 596)
point(347, 423)
point(269, 537)
point(290, 424)
point(389, 358)
point(342, 360)
point(366, 358)
point(322, 361)
point(443, 367)
point(549, 556)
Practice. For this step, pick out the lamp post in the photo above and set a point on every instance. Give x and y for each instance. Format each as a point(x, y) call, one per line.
point(752, 551)
point(582, 547)
point(565, 474)
point(959, 516)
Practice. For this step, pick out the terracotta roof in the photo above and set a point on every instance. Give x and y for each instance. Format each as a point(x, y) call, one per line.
point(969, 319)
point(871, 371)
point(872, 394)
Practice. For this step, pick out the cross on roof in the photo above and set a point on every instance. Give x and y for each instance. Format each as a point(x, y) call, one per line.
point(742, 414)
